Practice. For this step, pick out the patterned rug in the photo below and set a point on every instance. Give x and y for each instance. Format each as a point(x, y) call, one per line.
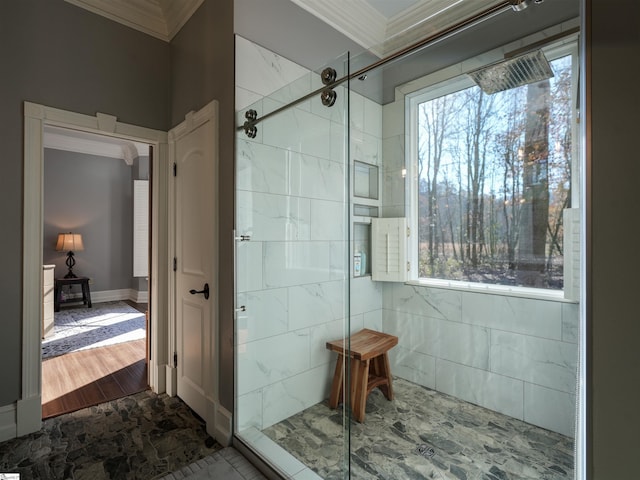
point(105, 324)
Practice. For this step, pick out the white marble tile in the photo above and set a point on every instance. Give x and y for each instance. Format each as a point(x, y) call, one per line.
point(373, 320)
point(248, 266)
point(550, 409)
point(328, 220)
point(294, 91)
point(295, 263)
point(570, 322)
point(372, 118)
point(318, 338)
point(366, 148)
point(297, 130)
point(431, 302)
point(267, 217)
point(356, 323)
point(266, 314)
point(393, 188)
point(271, 360)
point(262, 168)
point(245, 98)
point(318, 178)
point(548, 363)
point(262, 71)
point(249, 411)
point(393, 158)
point(316, 303)
point(338, 260)
point(292, 395)
point(457, 342)
point(366, 295)
point(513, 314)
point(338, 142)
point(356, 112)
point(496, 392)
point(413, 366)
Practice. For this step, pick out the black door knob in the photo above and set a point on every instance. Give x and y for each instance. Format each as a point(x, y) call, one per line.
point(204, 291)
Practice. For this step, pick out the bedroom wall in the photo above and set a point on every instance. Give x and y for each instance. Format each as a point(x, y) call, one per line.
point(92, 195)
point(62, 56)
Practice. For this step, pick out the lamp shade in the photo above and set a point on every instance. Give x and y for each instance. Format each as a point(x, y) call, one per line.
point(69, 242)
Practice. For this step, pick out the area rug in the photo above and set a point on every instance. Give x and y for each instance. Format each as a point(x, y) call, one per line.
point(104, 324)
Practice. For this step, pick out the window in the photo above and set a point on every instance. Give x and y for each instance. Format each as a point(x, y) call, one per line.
point(493, 175)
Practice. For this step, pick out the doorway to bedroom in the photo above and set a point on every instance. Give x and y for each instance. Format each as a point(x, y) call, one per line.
point(95, 269)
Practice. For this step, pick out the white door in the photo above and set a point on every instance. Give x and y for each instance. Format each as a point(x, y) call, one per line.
point(195, 260)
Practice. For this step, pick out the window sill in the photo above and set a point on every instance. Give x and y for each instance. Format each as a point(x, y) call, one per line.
point(502, 290)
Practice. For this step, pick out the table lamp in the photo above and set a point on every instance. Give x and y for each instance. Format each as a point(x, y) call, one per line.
point(69, 242)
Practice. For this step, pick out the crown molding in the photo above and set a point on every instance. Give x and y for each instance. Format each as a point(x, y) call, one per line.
point(429, 17)
point(356, 19)
point(161, 19)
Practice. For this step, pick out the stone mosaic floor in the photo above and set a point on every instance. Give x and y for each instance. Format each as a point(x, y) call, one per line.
point(424, 434)
point(144, 436)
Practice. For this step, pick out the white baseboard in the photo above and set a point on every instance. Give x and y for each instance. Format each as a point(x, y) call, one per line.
point(28, 415)
point(8, 422)
point(172, 381)
point(113, 296)
point(222, 422)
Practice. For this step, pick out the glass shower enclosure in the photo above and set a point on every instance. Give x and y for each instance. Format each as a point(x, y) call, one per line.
point(485, 374)
point(292, 244)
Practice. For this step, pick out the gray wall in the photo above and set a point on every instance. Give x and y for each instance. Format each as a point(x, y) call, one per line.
point(62, 56)
point(202, 69)
point(614, 260)
point(90, 195)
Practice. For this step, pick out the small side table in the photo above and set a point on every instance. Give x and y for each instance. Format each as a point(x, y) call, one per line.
point(61, 282)
point(369, 368)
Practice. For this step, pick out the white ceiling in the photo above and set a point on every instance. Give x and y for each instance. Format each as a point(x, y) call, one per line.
point(382, 26)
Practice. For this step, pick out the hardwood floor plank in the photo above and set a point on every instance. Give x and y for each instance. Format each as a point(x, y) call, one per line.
point(88, 377)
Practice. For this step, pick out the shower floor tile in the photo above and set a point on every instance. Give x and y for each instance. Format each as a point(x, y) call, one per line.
point(424, 434)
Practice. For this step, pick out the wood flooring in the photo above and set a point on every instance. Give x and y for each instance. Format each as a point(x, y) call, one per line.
point(89, 377)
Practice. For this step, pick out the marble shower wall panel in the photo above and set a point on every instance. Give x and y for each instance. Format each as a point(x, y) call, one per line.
point(514, 355)
point(291, 200)
point(260, 72)
point(394, 143)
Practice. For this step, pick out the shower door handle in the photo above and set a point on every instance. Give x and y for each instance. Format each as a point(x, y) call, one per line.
point(205, 291)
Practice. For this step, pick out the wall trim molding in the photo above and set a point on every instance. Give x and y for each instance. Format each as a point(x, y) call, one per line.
point(113, 296)
point(36, 117)
point(161, 18)
point(8, 422)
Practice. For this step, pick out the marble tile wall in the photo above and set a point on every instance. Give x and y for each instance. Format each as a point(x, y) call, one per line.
point(292, 200)
point(517, 356)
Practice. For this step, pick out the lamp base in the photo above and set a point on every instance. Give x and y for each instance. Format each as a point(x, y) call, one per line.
point(70, 263)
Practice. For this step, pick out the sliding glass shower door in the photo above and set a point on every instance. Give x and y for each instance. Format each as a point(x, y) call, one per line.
point(291, 272)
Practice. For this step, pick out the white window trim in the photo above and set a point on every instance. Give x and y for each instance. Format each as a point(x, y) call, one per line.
point(457, 81)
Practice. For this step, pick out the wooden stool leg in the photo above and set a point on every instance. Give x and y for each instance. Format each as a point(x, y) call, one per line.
point(360, 380)
point(385, 371)
point(336, 386)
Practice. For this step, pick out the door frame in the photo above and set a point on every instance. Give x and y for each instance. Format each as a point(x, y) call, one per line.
point(218, 420)
point(29, 405)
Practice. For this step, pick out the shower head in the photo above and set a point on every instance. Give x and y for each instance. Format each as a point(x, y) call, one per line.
point(516, 72)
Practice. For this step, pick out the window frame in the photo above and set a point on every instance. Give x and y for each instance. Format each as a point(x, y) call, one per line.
point(459, 80)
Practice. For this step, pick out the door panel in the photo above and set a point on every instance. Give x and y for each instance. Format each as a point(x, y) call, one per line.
point(196, 265)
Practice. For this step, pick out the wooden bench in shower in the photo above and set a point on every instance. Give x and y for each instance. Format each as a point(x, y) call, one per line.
point(369, 368)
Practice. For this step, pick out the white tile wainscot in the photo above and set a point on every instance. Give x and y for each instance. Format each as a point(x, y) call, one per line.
point(514, 355)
